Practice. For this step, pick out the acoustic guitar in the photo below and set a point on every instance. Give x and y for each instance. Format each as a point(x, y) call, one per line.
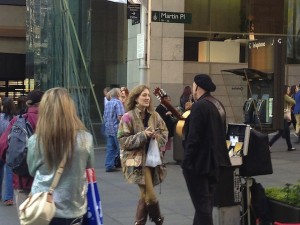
point(180, 123)
point(159, 94)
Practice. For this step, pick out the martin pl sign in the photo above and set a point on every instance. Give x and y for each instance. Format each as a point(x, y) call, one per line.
point(171, 17)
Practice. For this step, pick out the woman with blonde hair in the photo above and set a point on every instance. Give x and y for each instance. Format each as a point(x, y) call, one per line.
point(61, 133)
point(137, 127)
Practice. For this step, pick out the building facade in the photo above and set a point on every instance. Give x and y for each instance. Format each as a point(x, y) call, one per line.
point(127, 52)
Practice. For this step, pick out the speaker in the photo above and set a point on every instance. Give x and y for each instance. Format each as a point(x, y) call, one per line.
point(258, 160)
point(228, 191)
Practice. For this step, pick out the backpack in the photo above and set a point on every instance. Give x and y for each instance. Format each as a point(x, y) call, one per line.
point(4, 122)
point(16, 153)
point(260, 204)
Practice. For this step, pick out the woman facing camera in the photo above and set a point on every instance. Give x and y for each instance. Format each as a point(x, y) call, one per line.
point(137, 127)
point(60, 133)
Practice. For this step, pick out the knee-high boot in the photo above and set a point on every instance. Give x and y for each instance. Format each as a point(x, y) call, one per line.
point(154, 213)
point(141, 213)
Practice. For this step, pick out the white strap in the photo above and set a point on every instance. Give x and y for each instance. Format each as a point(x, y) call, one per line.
point(58, 173)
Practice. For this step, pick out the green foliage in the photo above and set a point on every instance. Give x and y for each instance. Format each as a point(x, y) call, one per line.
point(289, 194)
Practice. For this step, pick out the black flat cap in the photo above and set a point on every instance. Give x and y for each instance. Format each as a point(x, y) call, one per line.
point(204, 81)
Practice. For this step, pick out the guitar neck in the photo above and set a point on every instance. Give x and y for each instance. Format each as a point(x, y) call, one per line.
point(172, 109)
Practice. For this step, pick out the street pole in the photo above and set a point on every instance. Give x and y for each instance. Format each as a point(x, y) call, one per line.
point(144, 63)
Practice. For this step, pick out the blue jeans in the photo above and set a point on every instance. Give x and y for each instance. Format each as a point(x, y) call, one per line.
point(7, 174)
point(1, 176)
point(112, 151)
point(103, 132)
point(9, 190)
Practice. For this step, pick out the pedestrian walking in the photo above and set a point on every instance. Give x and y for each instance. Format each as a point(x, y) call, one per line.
point(285, 131)
point(296, 112)
point(60, 133)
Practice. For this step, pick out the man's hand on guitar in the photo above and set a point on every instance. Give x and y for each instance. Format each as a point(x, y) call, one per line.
point(160, 93)
point(168, 113)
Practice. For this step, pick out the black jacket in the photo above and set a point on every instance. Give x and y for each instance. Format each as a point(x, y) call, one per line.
point(205, 140)
point(169, 121)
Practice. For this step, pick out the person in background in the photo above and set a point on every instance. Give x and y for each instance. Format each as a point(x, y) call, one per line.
point(124, 95)
point(8, 112)
point(106, 95)
point(296, 112)
point(22, 185)
point(21, 105)
point(60, 133)
point(186, 99)
point(205, 150)
point(113, 112)
point(137, 127)
point(294, 90)
point(168, 118)
point(285, 132)
point(106, 99)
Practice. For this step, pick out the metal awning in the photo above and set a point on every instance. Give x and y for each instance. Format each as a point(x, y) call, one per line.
point(252, 74)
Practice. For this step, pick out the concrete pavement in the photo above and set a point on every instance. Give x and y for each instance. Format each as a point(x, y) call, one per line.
point(119, 198)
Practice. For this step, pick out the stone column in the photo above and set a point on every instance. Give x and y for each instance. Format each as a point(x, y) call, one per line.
point(166, 52)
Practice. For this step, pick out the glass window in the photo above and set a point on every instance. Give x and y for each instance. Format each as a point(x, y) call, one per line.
point(238, 21)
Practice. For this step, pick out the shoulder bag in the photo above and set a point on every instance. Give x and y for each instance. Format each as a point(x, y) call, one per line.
point(39, 208)
point(287, 114)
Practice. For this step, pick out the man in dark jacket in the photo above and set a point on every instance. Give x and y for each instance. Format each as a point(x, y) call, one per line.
point(205, 151)
point(22, 185)
point(169, 120)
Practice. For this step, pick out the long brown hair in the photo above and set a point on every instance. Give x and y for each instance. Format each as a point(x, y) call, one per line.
point(134, 94)
point(57, 126)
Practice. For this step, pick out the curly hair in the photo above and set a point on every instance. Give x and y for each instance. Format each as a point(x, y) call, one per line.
point(134, 94)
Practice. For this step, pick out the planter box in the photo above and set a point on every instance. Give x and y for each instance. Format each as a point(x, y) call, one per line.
point(283, 212)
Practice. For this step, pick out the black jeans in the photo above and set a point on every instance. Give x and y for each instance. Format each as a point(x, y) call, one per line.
point(285, 132)
point(201, 190)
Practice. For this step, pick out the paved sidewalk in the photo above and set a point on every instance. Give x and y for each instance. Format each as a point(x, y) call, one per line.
point(119, 198)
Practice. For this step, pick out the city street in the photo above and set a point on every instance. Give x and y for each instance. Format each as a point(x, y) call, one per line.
point(119, 198)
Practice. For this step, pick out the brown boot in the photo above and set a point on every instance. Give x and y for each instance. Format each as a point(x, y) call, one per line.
point(141, 213)
point(154, 213)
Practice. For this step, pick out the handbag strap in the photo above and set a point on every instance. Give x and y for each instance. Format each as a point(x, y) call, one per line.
point(58, 173)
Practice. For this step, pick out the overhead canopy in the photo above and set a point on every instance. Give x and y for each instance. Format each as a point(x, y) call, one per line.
point(252, 74)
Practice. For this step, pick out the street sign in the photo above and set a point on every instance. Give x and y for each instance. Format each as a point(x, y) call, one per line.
point(133, 11)
point(171, 17)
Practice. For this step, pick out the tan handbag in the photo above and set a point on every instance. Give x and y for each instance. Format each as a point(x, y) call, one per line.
point(287, 114)
point(39, 208)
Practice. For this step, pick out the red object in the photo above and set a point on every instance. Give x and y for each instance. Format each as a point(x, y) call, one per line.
point(90, 174)
point(277, 223)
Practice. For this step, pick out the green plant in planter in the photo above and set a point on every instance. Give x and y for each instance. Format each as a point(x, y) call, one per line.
point(289, 194)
